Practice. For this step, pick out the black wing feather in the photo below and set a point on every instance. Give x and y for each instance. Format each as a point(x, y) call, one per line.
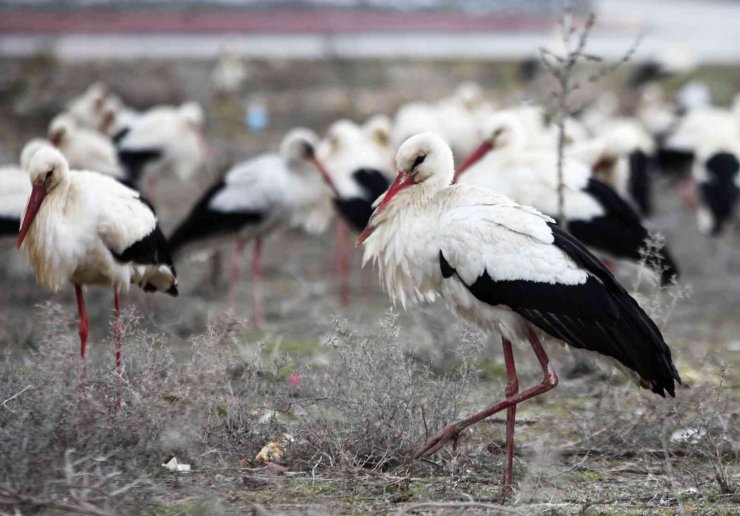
point(598, 315)
point(134, 161)
point(372, 181)
point(205, 222)
point(619, 231)
point(9, 226)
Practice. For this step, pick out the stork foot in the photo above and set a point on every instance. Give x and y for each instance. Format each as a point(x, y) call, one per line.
point(436, 443)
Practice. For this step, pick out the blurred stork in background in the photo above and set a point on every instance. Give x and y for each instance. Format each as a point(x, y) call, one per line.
point(595, 213)
point(268, 193)
point(355, 161)
point(163, 140)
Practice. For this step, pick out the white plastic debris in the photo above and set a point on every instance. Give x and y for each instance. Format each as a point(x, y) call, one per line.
point(176, 467)
point(687, 435)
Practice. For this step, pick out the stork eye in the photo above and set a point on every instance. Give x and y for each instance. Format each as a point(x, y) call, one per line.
point(419, 160)
point(308, 150)
point(49, 173)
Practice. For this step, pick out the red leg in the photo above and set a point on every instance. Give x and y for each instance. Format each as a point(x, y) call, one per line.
point(150, 187)
point(512, 388)
point(236, 259)
point(452, 432)
point(257, 284)
point(83, 328)
point(117, 336)
point(341, 260)
point(688, 194)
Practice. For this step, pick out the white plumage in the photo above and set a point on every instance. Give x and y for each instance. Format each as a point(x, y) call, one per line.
point(164, 140)
point(506, 268)
point(85, 222)
point(84, 149)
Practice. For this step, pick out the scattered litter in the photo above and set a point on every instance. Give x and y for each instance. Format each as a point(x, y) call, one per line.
point(687, 435)
point(273, 451)
point(294, 379)
point(176, 467)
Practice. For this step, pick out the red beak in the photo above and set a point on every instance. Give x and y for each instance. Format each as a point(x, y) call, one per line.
point(322, 170)
point(403, 180)
point(34, 203)
point(481, 151)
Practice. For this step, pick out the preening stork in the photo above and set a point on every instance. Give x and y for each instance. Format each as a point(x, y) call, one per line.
point(356, 163)
point(84, 149)
point(507, 268)
point(89, 229)
point(163, 140)
point(596, 214)
point(255, 198)
point(620, 156)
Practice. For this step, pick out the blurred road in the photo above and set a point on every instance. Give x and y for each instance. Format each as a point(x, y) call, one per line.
point(707, 30)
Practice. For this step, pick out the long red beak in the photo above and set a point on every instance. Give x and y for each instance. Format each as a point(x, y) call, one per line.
point(38, 192)
point(403, 180)
point(481, 151)
point(322, 170)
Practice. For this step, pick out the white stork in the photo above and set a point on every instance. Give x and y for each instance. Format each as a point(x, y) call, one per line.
point(84, 149)
point(507, 268)
point(596, 214)
point(163, 140)
point(716, 176)
point(89, 229)
point(620, 156)
point(356, 163)
point(255, 198)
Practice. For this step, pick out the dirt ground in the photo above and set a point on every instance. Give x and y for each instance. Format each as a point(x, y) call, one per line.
point(320, 370)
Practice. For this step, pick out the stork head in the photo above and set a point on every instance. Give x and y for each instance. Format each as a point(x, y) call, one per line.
point(48, 169)
point(500, 131)
point(29, 149)
point(192, 114)
point(60, 128)
point(299, 146)
point(425, 165)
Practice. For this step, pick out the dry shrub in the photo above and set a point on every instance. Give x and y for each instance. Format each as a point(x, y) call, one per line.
point(215, 402)
point(374, 402)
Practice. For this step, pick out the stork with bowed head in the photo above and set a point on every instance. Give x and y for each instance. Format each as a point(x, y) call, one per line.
point(506, 268)
point(163, 140)
point(89, 229)
point(596, 214)
point(84, 149)
point(270, 192)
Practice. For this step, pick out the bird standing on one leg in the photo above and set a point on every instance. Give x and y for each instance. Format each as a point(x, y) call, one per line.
point(507, 268)
point(89, 229)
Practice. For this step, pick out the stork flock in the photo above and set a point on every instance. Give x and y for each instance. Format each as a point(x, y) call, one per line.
point(487, 236)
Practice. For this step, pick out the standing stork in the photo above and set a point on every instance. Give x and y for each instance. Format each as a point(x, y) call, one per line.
point(356, 163)
point(506, 268)
point(257, 197)
point(89, 229)
point(596, 214)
